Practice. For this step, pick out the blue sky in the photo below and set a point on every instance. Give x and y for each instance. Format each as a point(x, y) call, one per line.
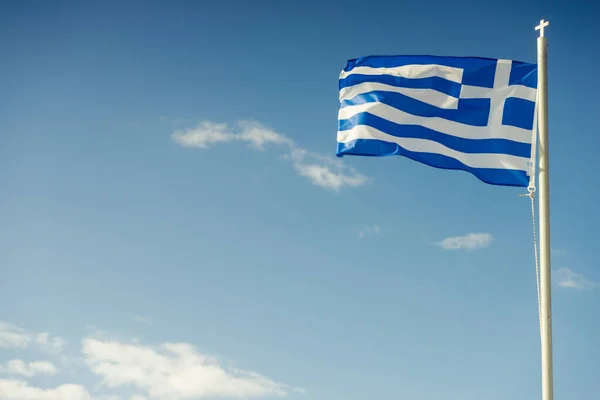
point(168, 176)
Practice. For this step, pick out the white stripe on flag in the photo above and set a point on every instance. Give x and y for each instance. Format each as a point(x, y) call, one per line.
point(518, 91)
point(413, 71)
point(496, 161)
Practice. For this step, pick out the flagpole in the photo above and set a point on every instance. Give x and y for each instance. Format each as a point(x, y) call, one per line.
point(544, 216)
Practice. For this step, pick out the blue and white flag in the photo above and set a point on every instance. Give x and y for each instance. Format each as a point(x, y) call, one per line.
point(463, 113)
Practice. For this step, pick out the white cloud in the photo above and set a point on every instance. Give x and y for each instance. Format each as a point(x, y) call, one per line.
point(174, 371)
point(369, 230)
point(258, 135)
point(569, 279)
point(12, 336)
point(171, 371)
point(142, 319)
point(50, 344)
point(207, 133)
point(324, 171)
point(321, 170)
point(11, 389)
point(20, 367)
point(471, 241)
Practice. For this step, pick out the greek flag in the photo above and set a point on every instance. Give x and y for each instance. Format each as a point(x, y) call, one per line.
point(462, 113)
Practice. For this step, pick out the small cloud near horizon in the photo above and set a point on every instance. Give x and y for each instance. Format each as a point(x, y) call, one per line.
point(569, 279)
point(14, 337)
point(141, 319)
point(28, 369)
point(369, 230)
point(469, 242)
point(173, 370)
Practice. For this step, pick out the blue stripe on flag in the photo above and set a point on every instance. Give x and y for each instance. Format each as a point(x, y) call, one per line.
point(470, 111)
point(378, 148)
point(436, 83)
point(463, 145)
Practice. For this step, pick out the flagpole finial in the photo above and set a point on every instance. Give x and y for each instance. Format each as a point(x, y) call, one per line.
point(541, 27)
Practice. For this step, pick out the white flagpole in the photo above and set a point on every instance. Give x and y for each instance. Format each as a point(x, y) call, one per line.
point(544, 216)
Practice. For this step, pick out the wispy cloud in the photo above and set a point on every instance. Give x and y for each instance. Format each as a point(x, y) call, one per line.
point(174, 371)
point(141, 319)
point(20, 367)
point(471, 241)
point(12, 336)
point(558, 251)
point(569, 279)
point(258, 136)
point(13, 389)
point(50, 344)
point(321, 170)
point(324, 171)
point(368, 230)
point(208, 133)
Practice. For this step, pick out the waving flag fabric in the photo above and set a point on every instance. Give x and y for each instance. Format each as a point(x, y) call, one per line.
point(462, 113)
